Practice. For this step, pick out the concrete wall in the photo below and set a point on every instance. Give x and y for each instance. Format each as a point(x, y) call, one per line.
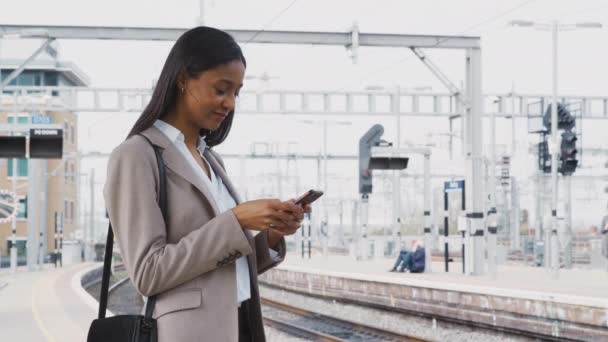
point(558, 318)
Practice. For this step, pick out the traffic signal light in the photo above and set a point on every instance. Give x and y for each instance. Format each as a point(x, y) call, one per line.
point(367, 162)
point(565, 120)
point(544, 158)
point(568, 153)
point(368, 140)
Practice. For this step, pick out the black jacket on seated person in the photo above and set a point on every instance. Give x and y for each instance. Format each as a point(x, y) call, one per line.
point(418, 260)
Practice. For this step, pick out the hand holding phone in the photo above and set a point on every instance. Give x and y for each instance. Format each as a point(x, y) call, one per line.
point(309, 197)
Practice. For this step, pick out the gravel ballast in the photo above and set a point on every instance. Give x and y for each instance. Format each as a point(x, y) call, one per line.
point(398, 322)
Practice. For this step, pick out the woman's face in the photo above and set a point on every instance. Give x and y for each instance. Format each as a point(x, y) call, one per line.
point(209, 98)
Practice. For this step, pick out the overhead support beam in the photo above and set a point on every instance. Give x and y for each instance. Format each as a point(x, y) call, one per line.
point(354, 45)
point(420, 41)
point(443, 78)
point(249, 36)
point(23, 65)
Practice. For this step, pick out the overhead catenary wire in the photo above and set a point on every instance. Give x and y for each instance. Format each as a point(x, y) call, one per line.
point(396, 62)
point(570, 13)
point(270, 22)
point(467, 30)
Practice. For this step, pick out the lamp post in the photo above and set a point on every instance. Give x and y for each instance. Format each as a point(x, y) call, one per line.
point(551, 245)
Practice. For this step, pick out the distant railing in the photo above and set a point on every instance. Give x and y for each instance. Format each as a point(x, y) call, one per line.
point(86, 99)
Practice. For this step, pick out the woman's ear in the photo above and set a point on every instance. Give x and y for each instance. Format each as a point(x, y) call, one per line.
point(181, 81)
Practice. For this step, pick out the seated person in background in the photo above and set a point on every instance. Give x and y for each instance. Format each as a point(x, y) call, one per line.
point(418, 259)
point(411, 261)
point(404, 258)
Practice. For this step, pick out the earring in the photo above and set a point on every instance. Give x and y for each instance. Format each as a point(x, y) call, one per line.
point(182, 89)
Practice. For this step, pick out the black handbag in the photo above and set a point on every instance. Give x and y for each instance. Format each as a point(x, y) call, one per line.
point(127, 328)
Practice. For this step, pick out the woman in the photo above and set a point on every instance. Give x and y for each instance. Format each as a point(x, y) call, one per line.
point(203, 263)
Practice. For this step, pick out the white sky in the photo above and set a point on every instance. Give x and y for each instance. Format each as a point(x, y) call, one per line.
point(518, 57)
point(510, 55)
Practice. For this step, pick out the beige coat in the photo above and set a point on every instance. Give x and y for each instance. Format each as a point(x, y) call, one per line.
point(188, 262)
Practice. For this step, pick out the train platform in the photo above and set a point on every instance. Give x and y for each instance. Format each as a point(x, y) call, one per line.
point(51, 305)
point(46, 305)
point(573, 305)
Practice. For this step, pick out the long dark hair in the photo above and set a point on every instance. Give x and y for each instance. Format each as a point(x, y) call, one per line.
point(198, 49)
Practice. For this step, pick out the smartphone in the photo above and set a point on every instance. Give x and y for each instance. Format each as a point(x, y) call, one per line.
point(309, 197)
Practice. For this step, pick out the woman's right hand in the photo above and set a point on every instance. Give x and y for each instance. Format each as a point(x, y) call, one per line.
point(268, 213)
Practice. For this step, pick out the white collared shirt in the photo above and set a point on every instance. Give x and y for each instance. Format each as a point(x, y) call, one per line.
point(220, 193)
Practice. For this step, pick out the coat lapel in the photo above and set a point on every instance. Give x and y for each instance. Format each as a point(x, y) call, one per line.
point(219, 172)
point(175, 161)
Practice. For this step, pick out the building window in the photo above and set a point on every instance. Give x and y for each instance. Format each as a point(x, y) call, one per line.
point(21, 167)
point(22, 164)
point(66, 171)
point(39, 79)
point(72, 135)
point(21, 119)
point(73, 170)
point(22, 213)
point(50, 79)
point(65, 210)
point(72, 211)
point(26, 78)
point(20, 245)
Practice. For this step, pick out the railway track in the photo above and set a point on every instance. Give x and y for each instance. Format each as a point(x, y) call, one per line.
point(445, 321)
point(315, 326)
point(318, 327)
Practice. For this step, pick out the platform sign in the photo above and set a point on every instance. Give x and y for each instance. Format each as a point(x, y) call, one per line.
point(454, 202)
point(453, 206)
point(59, 221)
point(12, 147)
point(46, 143)
point(42, 120)
point(452, 186)
point(9, 206)
point(505, 167)
point(388, 163)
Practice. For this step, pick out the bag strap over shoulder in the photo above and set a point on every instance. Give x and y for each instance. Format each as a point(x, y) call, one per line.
point(107, 262)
